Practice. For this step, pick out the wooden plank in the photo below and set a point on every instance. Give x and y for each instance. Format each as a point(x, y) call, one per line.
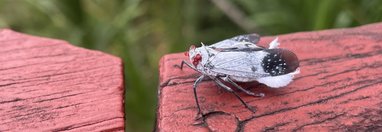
point(339, 88)
point(50, 85)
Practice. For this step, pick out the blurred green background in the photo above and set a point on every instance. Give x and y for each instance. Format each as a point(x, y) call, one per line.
point(141, 31)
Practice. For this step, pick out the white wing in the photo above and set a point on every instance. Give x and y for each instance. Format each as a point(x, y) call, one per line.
point(251, 38)
point(274, 44)
point(239, 64)
point(278, 81)
point(241, 41)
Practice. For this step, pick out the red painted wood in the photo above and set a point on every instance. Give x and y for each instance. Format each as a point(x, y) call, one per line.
point(50, 85)
point(339, 88)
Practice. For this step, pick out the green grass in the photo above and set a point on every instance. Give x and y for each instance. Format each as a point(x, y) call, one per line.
point(141, 31)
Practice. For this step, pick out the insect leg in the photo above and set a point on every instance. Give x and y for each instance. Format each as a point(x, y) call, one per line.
point(219, 83)
point(229, 80)
point(196, 83)
point(188, 64)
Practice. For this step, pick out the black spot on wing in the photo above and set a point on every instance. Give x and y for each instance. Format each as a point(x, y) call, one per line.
point(279, 62)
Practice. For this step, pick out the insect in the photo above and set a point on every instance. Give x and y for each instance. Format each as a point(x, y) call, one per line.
point(239, 59)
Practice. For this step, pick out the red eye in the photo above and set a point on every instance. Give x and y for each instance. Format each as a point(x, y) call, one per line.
point(197, 59)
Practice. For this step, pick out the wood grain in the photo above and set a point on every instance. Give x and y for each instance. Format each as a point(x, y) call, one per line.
point(50, 85)
point(339, 88)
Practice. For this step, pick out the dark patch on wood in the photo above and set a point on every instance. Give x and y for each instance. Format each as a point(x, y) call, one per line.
point(318, 122)
point(275, 127)
point(11, 101)
point(376, 64)
point(65, 96)
point(314, 61)
point(355, 99)
point(370, 121)
point(77, 126)
point(318, 101)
